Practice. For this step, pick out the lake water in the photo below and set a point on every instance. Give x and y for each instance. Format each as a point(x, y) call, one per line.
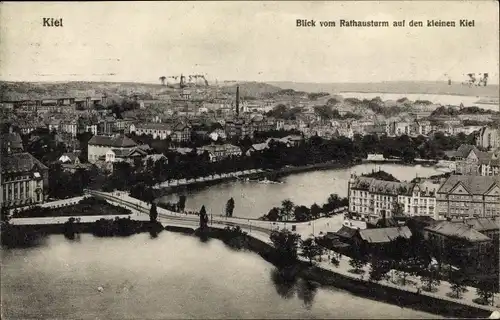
point(172, 276)
point(443, 99)
point(253, 199)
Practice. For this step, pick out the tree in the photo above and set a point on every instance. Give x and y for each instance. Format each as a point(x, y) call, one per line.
point(181, 204)
point(162, 79)
point(203, 218)
point(485, 290)
point(378, 269)
point(286, 208)
point(457, 287)
point(286, 243)
point(397, 209)
point(302, 213)
point(311, 249)
point(153, 213)
point(429, 280)
point(273, 214)
point(229, 207)
point(315, 211)
point(357, 264)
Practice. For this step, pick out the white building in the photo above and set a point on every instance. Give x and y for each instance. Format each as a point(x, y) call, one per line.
point(372, 199)
point(98, 146)
point(419, 201)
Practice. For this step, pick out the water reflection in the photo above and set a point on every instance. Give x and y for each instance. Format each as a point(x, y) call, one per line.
point(287, 284)
point(252, 200)
point(172, 276)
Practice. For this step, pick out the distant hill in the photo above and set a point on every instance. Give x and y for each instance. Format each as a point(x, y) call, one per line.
point(33, 90)
point(393, 87)
point(252, 89)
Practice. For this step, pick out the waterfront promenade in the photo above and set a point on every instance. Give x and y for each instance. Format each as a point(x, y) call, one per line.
point(261, 230)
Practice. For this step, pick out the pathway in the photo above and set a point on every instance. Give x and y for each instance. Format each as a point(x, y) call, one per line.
point(53, 204)
point(440, 293)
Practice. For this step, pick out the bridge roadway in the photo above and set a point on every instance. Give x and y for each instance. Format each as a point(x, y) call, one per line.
point(255, 228)
point(258, 228)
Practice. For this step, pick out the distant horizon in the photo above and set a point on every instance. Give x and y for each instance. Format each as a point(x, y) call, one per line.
point(247, 81)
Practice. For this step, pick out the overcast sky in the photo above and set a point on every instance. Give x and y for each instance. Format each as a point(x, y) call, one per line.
point(245, 41)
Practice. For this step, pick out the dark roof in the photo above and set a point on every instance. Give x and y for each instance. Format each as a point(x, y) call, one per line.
point(464, 150)
point(457, 230)
point(384, 235)
point(116, 142)
point(474, 184)
point(346, 232)
point(155, 126)
point(127, 153)
point(20, 162)
point(381, 186)
point(12, 139)
point(481, 224)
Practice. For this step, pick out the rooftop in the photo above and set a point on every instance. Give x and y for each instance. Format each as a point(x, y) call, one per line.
point(21, 162)
point(457, 230)
point(116, 141)
point(473, 184)
point(481, 224)
point(384, 235)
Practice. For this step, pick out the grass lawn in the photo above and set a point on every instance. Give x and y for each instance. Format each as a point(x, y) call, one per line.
point(86, 207)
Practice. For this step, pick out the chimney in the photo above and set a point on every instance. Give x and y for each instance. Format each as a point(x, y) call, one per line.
point(238, 101)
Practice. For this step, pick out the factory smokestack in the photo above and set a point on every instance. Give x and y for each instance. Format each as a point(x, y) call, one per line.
point(238, 101)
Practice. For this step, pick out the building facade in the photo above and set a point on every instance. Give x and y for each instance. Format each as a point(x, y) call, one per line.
point(98, 146)
point(469, 196)
point(24, 180)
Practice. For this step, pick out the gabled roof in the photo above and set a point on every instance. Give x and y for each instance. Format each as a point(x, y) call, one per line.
point(464, 150)
point(20, 162)
point(116, 142)
point(474, 184)
point(384, 235)
point(457, 230)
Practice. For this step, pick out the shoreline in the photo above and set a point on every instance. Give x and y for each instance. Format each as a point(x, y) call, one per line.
point(363, 288)
point(279, 173)
point(326, 278)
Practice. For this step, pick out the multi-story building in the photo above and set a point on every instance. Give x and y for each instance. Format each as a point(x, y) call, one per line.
point(490, 166)
point(217, 152)
point(70, 126)
point(181, 132)
point(489, 138)
point(238, 128)
point(98, 146)
point(470, 160)
point(372, 199)
point(156, 130)
point(106, 126)
point(468, 196)
point(419, 201)
point(24, 180)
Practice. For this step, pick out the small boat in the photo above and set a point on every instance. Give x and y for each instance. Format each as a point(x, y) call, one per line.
point(267, 181)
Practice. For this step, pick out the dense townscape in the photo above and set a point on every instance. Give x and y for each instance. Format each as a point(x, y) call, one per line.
point(60, 141)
